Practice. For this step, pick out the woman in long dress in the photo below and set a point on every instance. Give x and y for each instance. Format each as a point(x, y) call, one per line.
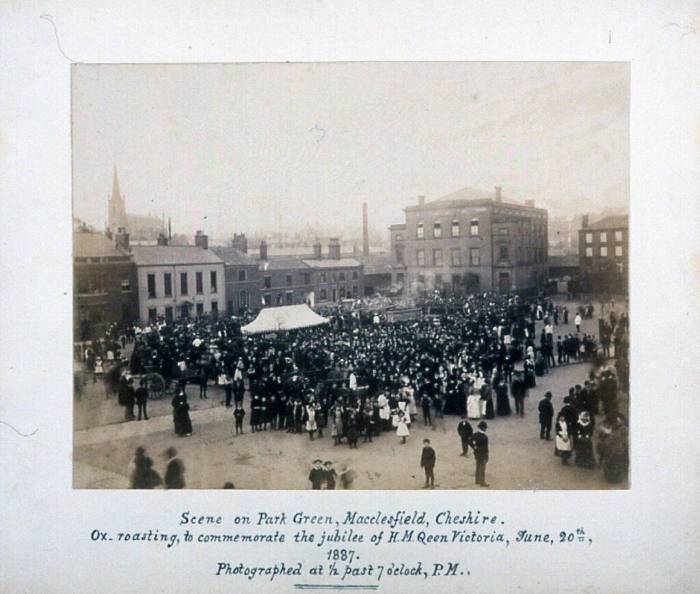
point(181, 415)
point(311, 419)
point(562, 441)
point(502, 401)
point(486, 402)
point(583, 441)
point(473, 405)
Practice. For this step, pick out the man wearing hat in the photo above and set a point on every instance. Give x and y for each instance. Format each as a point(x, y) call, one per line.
point(480, 445)
point(427, 462)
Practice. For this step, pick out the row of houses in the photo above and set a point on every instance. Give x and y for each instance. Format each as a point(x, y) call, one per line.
point(115, 282)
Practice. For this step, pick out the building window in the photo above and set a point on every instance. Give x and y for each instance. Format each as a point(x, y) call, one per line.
point(169, 314)
point(214, 307)
point(618, 235)
point(212, 280)
point(229, 306)
point(341, 276)
point(589, 237)
point(398, 237)
point(399, 253)
point(618, 251)
point(342, 292)
point(503, 252)
point(152, 315)
point(474, 257)
point(474, 228)
point(437, 257)
point(437, 230)
point(243, 299)
point(126, 285)
point(307, 278)
point(419, 231)
point(399, 277)
point(151, 286)
point(604, 251)
point(421, 279)
point(456, 257)
point(503, 231)
point(355, 291)
point(279, 298)
point(183, 283)
point(589, 252)
point(288, 280)
point(126, 312)
point(603, 237)
point(200, 308)
point(168, 285)
point(289, 296)
point(420, 257)
point(199, 283)
point(267, 299)
point(268, 282)
point(323, 294)
point(241, 275)
point(324, 277)
point(354, 275)
point(455, 228)
point(438, 280)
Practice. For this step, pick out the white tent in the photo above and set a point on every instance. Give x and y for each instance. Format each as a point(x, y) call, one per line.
point(286, 317)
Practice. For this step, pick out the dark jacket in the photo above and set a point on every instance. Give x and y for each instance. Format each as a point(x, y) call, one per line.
point(546, 410)
point(464, 429)
point(427, 459)
point(480, 445)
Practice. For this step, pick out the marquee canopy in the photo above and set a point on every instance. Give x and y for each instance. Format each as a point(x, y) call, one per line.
point(286, 317)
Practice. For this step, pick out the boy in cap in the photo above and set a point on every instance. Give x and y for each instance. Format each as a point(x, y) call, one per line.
point(427, 462)
point(546, 411)
point(330, 473)
point(317, 475)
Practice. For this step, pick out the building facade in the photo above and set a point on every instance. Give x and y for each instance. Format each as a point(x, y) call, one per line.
point(472, 240)
point(242, 278)
point(604, 254)
point(104, 284)
point(178, 281)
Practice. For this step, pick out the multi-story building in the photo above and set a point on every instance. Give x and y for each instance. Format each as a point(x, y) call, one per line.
point(472, 240)
point(178, 281)
point(242, 277)
point(336, 277)
point(104, 284)
point(604, 253)
point(314, 280)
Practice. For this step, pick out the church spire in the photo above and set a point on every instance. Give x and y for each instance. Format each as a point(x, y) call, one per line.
point(117, 211)
point(115, 185)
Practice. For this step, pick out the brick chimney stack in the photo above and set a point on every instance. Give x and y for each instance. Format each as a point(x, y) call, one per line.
point(334, 248)
point(365, 231)
point(201, 240)
point(263, 250)
point(584, 221)
point(317, 250)
point(122, 239)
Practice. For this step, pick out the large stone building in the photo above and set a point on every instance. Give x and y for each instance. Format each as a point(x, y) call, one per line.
point(179, 281)
point(104, 284)
point(472, 240)
point(604, 254)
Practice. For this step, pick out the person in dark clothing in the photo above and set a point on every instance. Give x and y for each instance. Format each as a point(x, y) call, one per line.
point(317, 475)
point(425, 404)
point(238, 415)
point(181, 415)
point(427, 462)
point(518, 390)
point(142, 399)
point(464, 429)
point(480, 445)
point(175, 471)
point(330, 474)
point(546, 411)
point(502, 402)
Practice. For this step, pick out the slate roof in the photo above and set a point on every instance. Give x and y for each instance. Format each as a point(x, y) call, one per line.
point(611, 222)
point(328, 263)
point(156, 255)
point(95, 245)
point(234, 257)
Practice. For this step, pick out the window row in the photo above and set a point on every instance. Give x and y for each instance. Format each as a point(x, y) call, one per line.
point(455, 257)
point(603, 237)
point(184, 284)
point(455, 229)
point(603, 251)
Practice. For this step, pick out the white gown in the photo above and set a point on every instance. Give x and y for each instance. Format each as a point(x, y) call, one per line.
point(473, 407)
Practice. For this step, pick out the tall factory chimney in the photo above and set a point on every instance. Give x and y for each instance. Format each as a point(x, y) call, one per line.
point(365, 231)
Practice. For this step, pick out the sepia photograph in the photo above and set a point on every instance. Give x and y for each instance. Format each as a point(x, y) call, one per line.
point(351, 275)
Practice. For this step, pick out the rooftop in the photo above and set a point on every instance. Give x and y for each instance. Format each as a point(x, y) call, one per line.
point(155, 255)
point(611, 222)
point(467, 197)
point(328, 263)
point(234, 256)
point(95, 245)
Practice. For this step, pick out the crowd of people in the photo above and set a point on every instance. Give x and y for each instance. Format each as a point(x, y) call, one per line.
point(358, 380)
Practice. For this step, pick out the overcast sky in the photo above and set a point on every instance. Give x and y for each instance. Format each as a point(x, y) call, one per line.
point(226, 147)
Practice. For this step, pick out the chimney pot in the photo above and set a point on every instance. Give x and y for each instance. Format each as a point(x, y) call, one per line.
point(499, 195)
point(201, 240)
point(263, 250)
point(334, 248)
point(584, 221)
